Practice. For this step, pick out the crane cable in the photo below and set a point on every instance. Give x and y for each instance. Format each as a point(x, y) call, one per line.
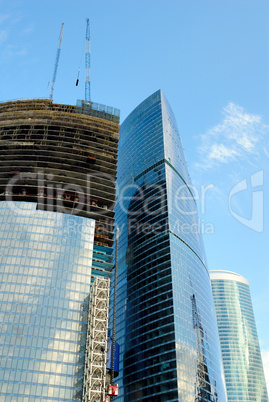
point(82, 52)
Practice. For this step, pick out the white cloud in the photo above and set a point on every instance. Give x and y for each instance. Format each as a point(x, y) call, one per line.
point(221, 152)
point(237, 136)
point(265, 358)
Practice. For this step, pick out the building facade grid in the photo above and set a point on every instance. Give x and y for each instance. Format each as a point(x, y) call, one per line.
point(239, 342)
point(166, 326)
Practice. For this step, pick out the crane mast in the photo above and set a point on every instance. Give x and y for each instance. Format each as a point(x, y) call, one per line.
point(56, 62)
point(87, 63)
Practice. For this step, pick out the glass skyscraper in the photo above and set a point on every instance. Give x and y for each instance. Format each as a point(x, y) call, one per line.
point(57, 191)
point(166, 324)
point(45, 287)
point(239, 342)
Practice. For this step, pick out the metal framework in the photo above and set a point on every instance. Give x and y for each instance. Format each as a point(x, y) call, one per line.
point(96, 346)
point(87, 64)
point(56, 61)
point(63, 143)
point(114, 308)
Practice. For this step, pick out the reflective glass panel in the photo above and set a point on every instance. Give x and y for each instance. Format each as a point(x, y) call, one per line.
point(45, 264)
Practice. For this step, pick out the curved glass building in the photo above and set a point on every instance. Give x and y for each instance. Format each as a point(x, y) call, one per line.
point(166, 324)
point(57, 190)
point(44, 293)
point(239, 342)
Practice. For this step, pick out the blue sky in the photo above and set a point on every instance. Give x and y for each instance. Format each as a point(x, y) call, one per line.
point(211, 60)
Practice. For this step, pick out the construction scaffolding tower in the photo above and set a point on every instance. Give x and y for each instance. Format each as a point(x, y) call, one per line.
point(96, 345)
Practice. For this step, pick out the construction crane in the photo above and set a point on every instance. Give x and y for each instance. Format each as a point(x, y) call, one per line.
point(56, 62)
point(87, 64)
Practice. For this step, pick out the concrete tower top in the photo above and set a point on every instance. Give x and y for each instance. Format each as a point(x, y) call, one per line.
point(227, 275)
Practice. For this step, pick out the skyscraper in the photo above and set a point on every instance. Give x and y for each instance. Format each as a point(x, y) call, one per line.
point(57, 190)
point(166, 324)
point(238, 338)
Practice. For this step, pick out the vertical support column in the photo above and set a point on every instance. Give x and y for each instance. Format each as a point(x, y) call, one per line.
point(96, 344)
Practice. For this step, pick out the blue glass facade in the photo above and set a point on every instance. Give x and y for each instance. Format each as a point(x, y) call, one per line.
point(239, 342)
point(57, 192)
point(166, 325)
point(45, 265)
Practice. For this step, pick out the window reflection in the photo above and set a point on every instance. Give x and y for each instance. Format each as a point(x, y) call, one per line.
point(44, 288)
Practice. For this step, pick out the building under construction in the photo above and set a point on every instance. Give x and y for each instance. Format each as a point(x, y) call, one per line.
point(57, 193)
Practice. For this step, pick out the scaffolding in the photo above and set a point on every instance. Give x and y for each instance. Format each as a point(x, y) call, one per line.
point(90, 109)
point(96, 345)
